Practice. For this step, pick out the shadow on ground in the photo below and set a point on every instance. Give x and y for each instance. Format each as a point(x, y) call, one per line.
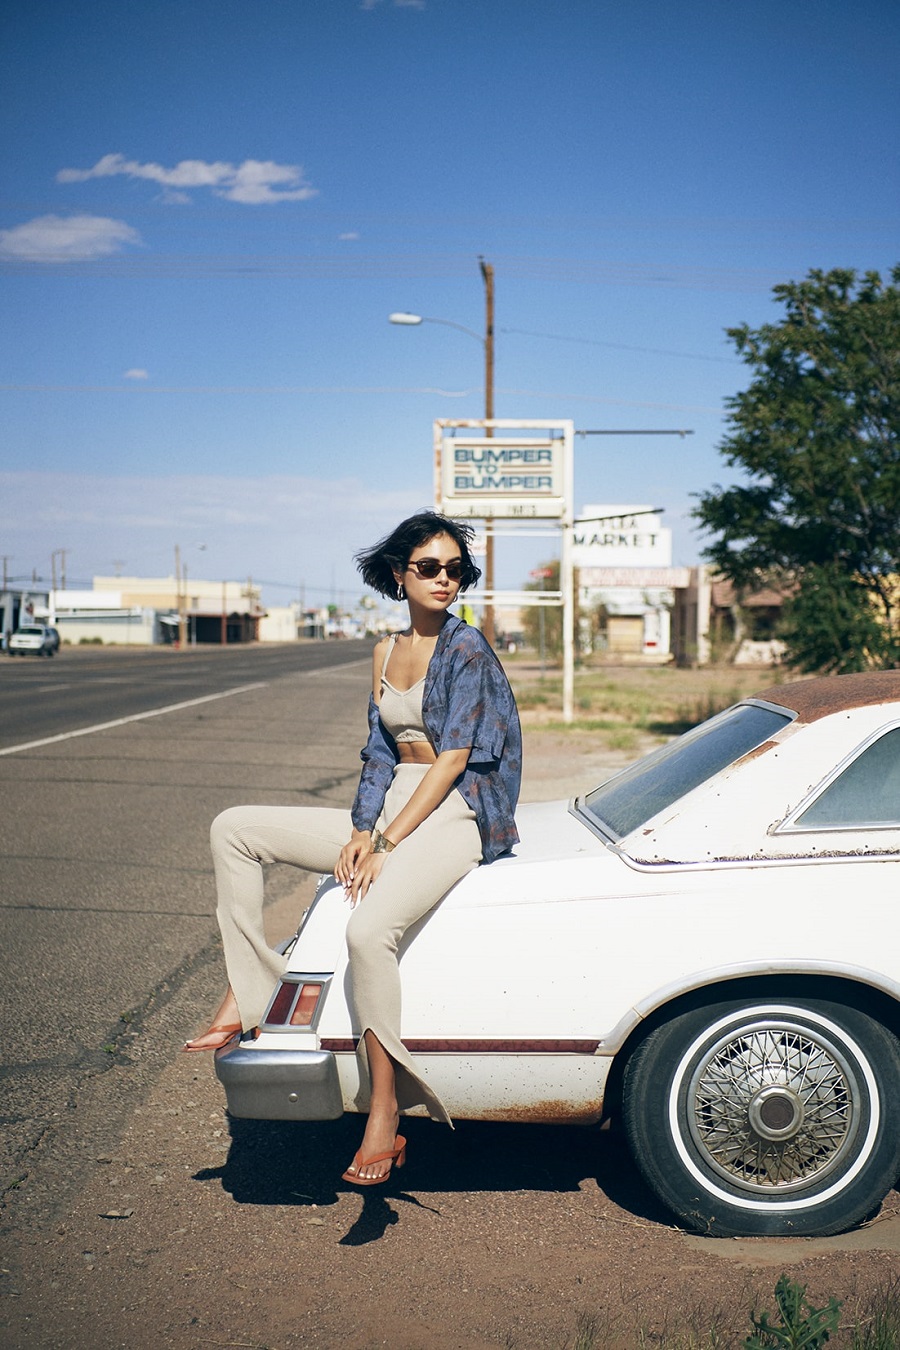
point(279, 1163)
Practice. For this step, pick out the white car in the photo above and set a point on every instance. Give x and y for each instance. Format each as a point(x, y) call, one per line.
point(35, 638)
point(707, 946)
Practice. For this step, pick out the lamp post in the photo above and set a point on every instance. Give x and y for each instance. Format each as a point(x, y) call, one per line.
point(181, 597)
point(487, 341)
point(180, 589)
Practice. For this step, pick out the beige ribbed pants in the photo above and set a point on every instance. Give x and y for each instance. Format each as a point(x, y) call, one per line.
point(415, 876)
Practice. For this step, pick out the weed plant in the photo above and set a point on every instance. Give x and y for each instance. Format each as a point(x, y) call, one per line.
point(794, 1324)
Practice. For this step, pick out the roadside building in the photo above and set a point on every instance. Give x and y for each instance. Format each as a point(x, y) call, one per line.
point(20, 605)
point(101, 617)
point(626, 582)
point(281, 623)
point(636, 606)
point(141, 611)
point(215, 612)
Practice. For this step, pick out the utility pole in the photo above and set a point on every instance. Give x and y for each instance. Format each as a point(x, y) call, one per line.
point(61, 554)
point(180, 590)
point(487, 273)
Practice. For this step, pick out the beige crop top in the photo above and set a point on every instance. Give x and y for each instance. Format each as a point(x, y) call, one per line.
point(401, 709)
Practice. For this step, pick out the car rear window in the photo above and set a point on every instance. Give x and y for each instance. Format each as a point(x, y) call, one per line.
point(866, 793)
point(636, 794)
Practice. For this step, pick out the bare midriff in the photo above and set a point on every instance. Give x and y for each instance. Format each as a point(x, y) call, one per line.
point(416, 752)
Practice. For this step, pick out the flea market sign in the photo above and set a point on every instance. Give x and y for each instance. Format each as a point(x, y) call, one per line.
point(622, 536)
point(483, 472)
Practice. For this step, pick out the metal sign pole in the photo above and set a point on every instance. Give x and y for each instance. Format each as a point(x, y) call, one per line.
point(567, 576)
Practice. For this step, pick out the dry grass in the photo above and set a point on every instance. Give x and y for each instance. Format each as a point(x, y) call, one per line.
point(870, 1321)
point(623, 705)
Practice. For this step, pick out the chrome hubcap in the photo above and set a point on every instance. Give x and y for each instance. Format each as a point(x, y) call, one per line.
point(773, 1106)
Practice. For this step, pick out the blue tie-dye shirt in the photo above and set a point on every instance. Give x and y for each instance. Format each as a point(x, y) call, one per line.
point(467, 704)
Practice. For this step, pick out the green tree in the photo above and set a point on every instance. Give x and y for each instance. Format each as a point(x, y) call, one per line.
point(816, 434)
point(543, 624)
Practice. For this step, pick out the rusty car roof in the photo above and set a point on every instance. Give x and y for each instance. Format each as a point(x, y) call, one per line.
point(812, 699)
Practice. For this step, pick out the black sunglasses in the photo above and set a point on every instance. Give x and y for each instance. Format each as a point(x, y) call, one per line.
point(429, 568)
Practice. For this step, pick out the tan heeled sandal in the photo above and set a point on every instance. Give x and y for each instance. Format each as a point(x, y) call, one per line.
point(397, 1157)
point(222, 1035)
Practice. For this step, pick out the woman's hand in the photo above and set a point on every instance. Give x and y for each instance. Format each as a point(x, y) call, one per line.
point(351, 856)
point(368, 870)
point(357, 867)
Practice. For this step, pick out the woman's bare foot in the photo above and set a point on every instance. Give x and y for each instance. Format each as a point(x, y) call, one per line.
point(225, 1024)
point(381, 1142)
point(384, 1118)
point(379, 1138)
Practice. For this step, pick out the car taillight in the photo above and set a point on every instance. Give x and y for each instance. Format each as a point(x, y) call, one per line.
point(295, 1003)
point(305, 1007)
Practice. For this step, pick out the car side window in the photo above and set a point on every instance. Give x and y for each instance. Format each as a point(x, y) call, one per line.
point(866, 793)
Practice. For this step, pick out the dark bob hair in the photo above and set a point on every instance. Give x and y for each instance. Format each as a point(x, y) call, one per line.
point(377, 564)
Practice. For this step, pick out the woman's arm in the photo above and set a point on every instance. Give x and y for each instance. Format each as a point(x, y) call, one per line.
point(432, 790)
point(360, 842)
point(379, 652)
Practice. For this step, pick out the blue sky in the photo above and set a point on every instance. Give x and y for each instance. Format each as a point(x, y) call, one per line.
point(209, 209)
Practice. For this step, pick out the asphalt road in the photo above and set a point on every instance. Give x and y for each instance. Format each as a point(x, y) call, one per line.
point(106, 893)
point(84, 686)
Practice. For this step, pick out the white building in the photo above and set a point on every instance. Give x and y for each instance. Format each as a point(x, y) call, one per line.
point(145, 610)
point(100, 616)
point(623, 557)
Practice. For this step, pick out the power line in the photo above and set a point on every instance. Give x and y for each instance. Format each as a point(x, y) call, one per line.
point(624, 346)
point(637, 431)
point(360, 266)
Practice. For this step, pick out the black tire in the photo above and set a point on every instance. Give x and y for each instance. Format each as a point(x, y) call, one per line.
point(769, 1117)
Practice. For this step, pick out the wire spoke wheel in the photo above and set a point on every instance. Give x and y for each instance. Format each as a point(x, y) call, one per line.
point(766, 1116)
point(774, 1106)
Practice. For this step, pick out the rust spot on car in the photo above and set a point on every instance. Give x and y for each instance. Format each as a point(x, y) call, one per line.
point(812, 699)
point(544, 1113)
point(755, 753)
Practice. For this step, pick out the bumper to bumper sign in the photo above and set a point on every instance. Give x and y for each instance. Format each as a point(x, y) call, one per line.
point(280, 1084)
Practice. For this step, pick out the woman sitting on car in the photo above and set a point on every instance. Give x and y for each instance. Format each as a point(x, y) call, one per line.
point(436, 797)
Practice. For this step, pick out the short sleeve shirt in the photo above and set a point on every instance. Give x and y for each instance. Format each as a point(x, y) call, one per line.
point(467, 703)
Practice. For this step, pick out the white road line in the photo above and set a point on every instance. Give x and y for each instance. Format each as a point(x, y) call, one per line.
point(135, 717)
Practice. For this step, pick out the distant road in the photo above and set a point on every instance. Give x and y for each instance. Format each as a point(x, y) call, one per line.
point(85, 686)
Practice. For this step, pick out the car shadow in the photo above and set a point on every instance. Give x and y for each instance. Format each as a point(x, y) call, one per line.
point(281, 1163)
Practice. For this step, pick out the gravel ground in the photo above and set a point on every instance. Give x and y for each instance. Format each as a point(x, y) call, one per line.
point(197, 1231)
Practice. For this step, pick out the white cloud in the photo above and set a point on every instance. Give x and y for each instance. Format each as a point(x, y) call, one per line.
point(349, 234)
point(252, 183)
point(136, 373)
point(60, 239)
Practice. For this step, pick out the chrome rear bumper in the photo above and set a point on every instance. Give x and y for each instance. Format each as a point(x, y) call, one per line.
point(279, 1084)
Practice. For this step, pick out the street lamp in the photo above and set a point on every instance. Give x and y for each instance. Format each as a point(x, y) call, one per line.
point(487, 341)
point(413, 320)
point(181, 596)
